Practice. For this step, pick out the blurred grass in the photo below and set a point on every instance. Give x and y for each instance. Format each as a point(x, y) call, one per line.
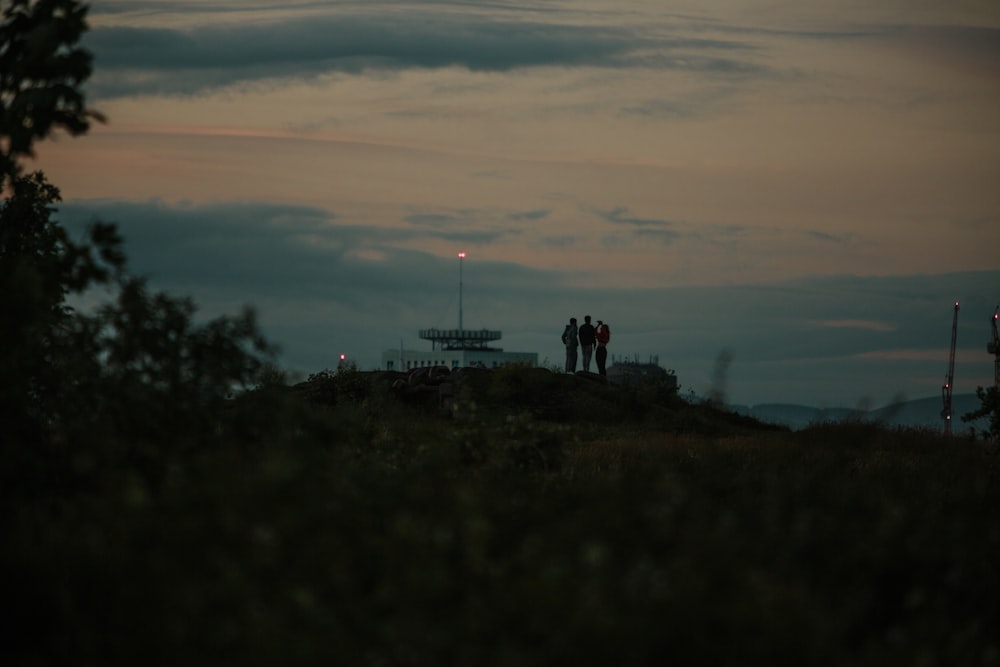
point(548, 520)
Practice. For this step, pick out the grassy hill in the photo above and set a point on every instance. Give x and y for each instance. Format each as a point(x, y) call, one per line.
point(509, 517)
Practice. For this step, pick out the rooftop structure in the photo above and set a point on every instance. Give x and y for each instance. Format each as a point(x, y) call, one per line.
point(460, 339)
point(456, 348)
point(624, 370)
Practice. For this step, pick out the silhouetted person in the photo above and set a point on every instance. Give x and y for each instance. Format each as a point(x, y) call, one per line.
point(603, 336)
point(569, 339)
point(587, 341)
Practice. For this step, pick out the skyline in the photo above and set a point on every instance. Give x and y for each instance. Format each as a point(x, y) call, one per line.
point(810, 189)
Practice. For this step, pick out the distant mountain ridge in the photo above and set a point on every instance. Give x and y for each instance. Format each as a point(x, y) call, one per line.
point(918, 413)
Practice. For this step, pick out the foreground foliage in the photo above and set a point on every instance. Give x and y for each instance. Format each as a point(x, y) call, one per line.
point(989, 399)
point(334, 521)
point(124, 383)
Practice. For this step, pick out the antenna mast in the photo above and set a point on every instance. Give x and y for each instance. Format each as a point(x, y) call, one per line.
point(950, 378)
point(460, 339)
point(993, 347)
point(461, 258)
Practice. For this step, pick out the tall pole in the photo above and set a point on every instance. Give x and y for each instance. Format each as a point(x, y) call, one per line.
point(994, 348)
point(461, 257)
point(950, 378)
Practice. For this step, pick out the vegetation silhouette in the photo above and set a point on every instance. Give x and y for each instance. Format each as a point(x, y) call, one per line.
point(720, 377)
point(42, 69)
point(166, 498)
point(989, 407)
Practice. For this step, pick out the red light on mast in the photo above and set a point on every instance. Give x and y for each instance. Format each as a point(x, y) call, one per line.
point(461, 255)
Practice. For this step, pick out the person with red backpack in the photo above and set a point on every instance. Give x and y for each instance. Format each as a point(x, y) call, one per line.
point(603, 336)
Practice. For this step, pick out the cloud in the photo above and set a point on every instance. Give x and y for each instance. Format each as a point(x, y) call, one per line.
point(827, 237)
point(257, 248)
point(222, 51)
point(642, 228)
point(620, 216)
point(465, 226)
point(265, 249)
point(934, 355)
point(564, 241)
point(691, 104)
point(537, 214)
point(662, 236)
point(966, 48)
point(434, 219)
point(186, 61)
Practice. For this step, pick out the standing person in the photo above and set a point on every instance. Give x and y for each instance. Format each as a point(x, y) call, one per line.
point(587, 341)
point(569, 339)
point(603, 336)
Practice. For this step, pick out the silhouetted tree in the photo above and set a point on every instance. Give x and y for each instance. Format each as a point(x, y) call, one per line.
point(720, 378)
point(989, 407)
point(41, 70)
point(129, 381)
point(39, 268)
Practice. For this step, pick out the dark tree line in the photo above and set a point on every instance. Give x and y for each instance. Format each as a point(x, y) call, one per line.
point(99, 406)
point(989, 399)
point(118, 383)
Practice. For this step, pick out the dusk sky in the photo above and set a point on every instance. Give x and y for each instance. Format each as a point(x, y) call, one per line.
point(809, 186)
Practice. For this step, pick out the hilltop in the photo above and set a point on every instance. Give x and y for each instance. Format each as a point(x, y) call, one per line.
point(539, 394)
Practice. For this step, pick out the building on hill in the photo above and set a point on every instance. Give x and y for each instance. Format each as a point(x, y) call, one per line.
point(624, 370)
point(456, 348)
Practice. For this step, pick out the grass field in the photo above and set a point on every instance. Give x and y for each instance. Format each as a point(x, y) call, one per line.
point(532, 519)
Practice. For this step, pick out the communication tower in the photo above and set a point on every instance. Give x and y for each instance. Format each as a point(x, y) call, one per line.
point(993, 347)
point(460, 338)
point(456, 348)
